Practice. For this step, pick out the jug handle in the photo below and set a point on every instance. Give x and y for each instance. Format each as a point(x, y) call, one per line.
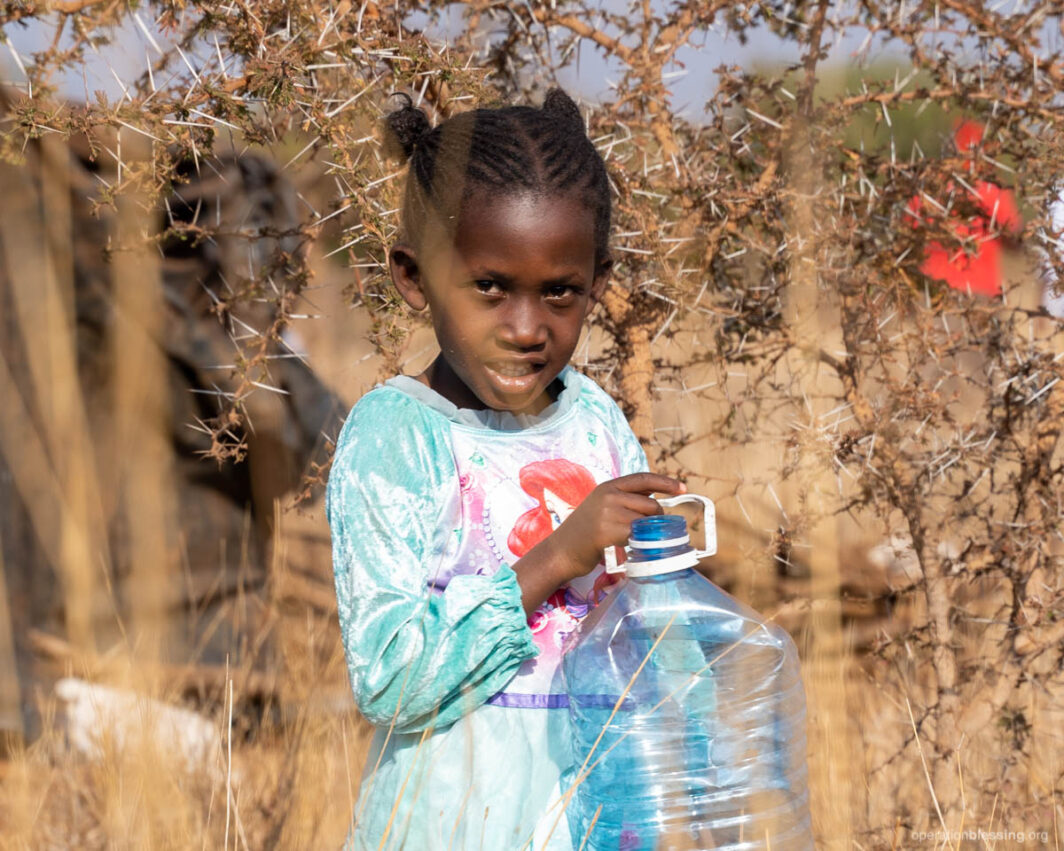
point(709, 525)
point(709, 519)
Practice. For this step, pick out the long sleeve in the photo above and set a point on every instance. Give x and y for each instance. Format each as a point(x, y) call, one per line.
point(417, 657)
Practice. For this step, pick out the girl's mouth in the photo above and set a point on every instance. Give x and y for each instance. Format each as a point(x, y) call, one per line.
point(515, 369)
point(514, 377)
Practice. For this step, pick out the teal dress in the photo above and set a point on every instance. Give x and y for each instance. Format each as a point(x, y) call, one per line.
point(429, 506)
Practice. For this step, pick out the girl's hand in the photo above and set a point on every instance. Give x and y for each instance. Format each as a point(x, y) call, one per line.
point(604, 519)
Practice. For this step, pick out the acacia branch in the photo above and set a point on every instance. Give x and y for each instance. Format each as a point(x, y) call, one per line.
point(550, 18)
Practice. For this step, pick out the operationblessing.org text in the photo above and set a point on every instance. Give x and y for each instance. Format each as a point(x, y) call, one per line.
point(980, 835)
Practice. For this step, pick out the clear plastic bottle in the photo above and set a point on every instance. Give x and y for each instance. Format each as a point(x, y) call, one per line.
point(687, 711)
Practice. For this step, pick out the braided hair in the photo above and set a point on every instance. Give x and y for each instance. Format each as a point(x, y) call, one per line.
point(510, 149)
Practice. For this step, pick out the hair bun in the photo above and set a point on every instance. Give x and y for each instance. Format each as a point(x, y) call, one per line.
point(558, 104)
point(408, 125)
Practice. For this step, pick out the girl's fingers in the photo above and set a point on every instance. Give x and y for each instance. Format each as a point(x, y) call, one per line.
point(648, 483)
point(641, 506)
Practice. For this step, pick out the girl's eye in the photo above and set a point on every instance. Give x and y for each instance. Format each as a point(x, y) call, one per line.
point(561, 292)
point(488, 287)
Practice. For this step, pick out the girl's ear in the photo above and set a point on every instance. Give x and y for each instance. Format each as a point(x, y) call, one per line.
point(406, 275)
point(598, 285)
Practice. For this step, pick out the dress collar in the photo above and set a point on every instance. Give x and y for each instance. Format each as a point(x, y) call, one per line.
point(488, 418)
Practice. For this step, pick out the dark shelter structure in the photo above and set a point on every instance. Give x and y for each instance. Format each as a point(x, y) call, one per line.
point(116, 354)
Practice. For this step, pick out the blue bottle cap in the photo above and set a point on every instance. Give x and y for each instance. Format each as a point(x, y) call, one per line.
point(659, 544)
point(662, 527)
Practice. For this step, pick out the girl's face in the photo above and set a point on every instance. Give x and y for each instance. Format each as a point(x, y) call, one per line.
point(508, 298)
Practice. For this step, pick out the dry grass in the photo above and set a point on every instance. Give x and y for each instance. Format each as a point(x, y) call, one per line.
point(285, 777)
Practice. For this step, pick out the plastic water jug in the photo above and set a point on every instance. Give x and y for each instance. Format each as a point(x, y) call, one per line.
point(686, 708)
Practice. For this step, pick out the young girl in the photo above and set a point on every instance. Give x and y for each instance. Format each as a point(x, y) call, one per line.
point(470, 505)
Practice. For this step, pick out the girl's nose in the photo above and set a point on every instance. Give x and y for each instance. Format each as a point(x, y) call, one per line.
point(524, 326)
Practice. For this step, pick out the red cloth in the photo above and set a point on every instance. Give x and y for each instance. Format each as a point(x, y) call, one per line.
point(979, 272)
